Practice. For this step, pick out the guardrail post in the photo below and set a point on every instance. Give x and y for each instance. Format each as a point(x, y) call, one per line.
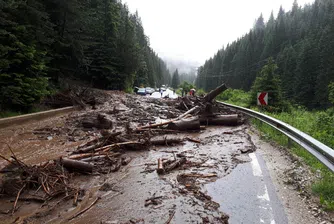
point(290, 142)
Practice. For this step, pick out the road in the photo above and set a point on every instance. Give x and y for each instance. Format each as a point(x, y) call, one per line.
point(245, 175)
point(253, 198)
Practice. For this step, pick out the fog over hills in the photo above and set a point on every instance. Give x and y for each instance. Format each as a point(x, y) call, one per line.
point(184, 66)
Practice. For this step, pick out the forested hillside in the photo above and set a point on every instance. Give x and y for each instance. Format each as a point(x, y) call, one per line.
point(301, 41)
point(98, 42)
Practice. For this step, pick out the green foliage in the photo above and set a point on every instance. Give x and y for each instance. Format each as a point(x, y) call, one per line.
point(268, 81)
point(236, 97)
point(200, 92)
point(325, 188)
point(23, 66)
point(302, 43)
point(4, 114)
point(175, 79)
point(43, 42)
point(331, 92)
point(186, 87)
point(320, 126)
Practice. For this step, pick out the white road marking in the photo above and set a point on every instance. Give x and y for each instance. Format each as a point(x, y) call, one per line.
point(257, 172)
point(265, 196)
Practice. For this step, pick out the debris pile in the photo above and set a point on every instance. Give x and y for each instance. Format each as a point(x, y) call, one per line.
point(111, 130)
point(39, 183)
point(77, 96)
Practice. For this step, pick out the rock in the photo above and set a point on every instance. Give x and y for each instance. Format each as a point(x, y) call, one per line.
point(100, 121)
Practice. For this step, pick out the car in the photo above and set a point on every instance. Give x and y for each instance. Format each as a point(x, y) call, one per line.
point(135, 89)
point(141, 91)
point(149, 90)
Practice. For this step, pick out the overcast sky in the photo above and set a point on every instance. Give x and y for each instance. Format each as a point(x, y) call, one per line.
point(193, 30)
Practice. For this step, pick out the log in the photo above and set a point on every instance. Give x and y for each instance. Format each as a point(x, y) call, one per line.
point(160, 169)
point(185, 124)
point(193, 140)
point(166, 141)
point(170, 121)
point(213, 93)
point(86, 155)
point(188, 112)
point(94, 158)
point(131, 143)
point(88, 148)
point(227, 120)
point(79, 166)
point(170, 217)
point(155, 125)
point(199, 175)
point(103, 149)
point(175, 164)
point(124, 140)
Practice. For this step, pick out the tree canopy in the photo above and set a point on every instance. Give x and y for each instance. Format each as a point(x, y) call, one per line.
point(98, 42)
point(268, 81)
point(301, 41)
point(175, 79)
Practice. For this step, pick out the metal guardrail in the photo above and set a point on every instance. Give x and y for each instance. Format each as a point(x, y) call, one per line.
point(321, 151)
point(17, 120)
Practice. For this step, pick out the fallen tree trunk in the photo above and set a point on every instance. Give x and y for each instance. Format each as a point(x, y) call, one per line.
point(86, 155)
point(112, 146)
point(168, 122)
point(166, 141)
point(185, 124)
point(188, 112)
point(227, 120)
point(199, 175)
point(94, 158)
point(79, 166)
point(213, 93)
point(174, 164)
point(160, 169)
point(88, 148)
point(155, 125)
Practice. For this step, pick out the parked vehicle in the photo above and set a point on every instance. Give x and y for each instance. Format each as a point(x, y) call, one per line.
point(141, 91)
point(149, 90)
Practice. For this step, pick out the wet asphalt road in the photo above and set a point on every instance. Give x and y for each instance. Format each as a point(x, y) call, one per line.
point(247, 194)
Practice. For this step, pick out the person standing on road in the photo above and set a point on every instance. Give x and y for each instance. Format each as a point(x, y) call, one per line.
point(161, 91)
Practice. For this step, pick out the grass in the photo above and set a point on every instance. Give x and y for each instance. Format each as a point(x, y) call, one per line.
point(4, 114)
point(306, 122)
point(318, 124)
point(235, 96)
point(8, 113)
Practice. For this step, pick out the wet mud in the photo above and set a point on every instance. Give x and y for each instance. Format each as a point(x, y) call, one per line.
point(136, 193)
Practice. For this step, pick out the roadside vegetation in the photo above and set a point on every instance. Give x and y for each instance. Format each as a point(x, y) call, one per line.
point(96, 43)
point(318, 124)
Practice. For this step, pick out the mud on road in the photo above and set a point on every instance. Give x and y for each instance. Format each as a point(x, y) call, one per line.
point(136, 192)
point(131, 192)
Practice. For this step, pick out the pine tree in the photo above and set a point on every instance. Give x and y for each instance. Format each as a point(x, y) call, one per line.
point(175, 79)
point(23, 67)
point(268, 81)
point(300, 41)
